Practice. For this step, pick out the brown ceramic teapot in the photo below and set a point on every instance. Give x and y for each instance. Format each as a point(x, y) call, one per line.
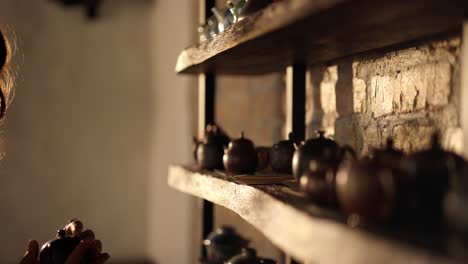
point(367, 189)
point(315, 164)
point(240, 156)
point(209, 151)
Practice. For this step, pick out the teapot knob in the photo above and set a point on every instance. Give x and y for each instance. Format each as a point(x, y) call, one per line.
point(320, 132)
point(390, 143)
point(436, 141)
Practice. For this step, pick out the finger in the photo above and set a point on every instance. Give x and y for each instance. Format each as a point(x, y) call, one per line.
point(32, 254)
point(79, 252)
point(102, 258)
point(74, 228)
point(98, 245)
point(87, 235)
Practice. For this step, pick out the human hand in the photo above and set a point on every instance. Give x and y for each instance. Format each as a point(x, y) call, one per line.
point(88, 244)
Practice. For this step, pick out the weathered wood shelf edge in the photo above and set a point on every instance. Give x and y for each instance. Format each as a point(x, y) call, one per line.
point(316, 239)
point(304, 31)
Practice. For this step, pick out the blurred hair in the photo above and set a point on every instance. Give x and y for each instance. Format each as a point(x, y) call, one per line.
point(6, 75)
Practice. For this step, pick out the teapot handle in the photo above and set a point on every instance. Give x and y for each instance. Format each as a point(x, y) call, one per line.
point(298, 145)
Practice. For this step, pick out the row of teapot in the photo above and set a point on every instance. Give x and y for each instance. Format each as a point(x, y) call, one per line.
point(385, 185)
point(225, 246)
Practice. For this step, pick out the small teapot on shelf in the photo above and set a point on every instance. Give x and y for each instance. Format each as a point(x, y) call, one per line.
point(314, 166)
point(222, 244)
point(249, 256)
point(281, 155)
point(425, 180)
point(367, 189)
point(209, 151)
point(240, 157)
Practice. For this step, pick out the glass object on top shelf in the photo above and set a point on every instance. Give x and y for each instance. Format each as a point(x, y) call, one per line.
point(224, 17)
point(209, 30)
point(236, 7)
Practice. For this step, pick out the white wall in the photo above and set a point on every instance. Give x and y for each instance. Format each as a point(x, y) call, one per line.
point(172, 214)
point(98, 115)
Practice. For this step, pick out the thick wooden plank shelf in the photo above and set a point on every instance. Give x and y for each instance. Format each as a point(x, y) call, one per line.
point(306, 31)
point(305, 231)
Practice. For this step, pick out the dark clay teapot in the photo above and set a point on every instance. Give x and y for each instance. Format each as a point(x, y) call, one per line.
point(281, 155)
point(57, 250)
point(425, 181)
point(209, 151)
point(222, 244)
point(249, 256)
point(240, 157)
point(315, 164)
point(367, 189)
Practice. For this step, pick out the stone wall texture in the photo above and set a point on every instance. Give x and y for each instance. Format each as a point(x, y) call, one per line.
point(407, 94)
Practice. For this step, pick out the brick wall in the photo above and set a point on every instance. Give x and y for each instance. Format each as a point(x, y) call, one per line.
point(407, 94)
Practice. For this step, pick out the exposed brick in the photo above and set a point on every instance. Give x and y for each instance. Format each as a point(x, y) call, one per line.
point(380, 94)
point(406, 94)
point(412, 137)
point(359, 95)
point(438, 77)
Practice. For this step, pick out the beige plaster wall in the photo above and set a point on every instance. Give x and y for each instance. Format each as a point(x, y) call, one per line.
point(98, 115)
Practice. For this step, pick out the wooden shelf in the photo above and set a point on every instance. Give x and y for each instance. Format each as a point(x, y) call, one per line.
point(306, 231)
point(305, 31)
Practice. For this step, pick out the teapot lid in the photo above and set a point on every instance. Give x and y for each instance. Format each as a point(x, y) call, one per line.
point(241, 142)
point(320, 144)
point(225, 235)
point(386, 153)
point(215, 134)
point(290, 142)
point(436, 156)
point(321, 140)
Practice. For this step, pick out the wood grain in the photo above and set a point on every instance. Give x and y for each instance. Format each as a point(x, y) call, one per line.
point(306, 231)
point(308, 32)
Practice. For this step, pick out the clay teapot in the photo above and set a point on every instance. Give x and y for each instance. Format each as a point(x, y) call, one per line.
point(240, 156)
point(321, 149)
point(367, 189)
point(57, 250)
point(281, 155)
point(425, 180)
point(315, 164)
point(249, 256)
point(209, 151)
point(222, 244)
